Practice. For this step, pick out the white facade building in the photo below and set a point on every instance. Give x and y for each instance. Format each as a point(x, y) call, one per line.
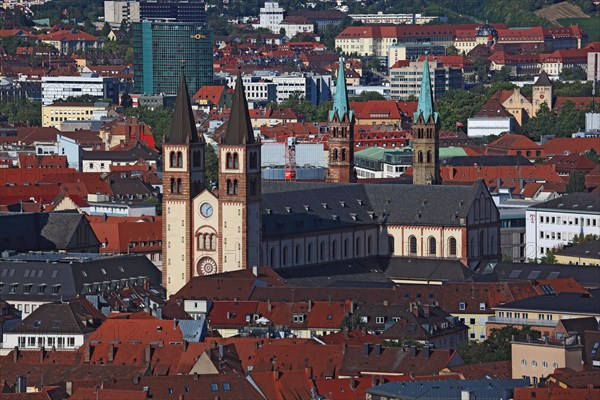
point(481, 126)
point(60, 87)
point(270, 16)
point(593, 66)
point(115, 11)
point(556, 222)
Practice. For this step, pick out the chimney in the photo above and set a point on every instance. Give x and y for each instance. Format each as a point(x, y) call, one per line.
point(353, 382)
point(374, 380)
point(87, 353)
point(426, 310)
point(308, 372)
point(309, 305)
point(415, 309)
point(147, 353)
point(42, 354)
point(413, 351)
point(269, 307)
point(185, 345)
point(385, 303)
point(175, 324)
point(104, 216)
point(16, 354)
point(378, 349)
point(111, 353)
point(213, 344)
point(276, 374)
point(426, 351)
point(255, 270)
point(195, 376)
point(343, 347)
point(136, 379)
point(366, 349)
point(221, 352)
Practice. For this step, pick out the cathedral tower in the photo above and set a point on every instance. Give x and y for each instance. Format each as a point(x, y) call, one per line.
point(239, 189)
point(426, 122)
point(341, 134)
point(183, 179)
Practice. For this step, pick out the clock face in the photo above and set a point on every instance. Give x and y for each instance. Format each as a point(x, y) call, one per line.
point(206, 266)
point(206, 210)
point(541, 96)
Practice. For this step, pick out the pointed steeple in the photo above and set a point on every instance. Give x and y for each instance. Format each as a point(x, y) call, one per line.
point(425, 107)
point(239, 128)
point(543, 80)
point(340, 101)
point(183, 126)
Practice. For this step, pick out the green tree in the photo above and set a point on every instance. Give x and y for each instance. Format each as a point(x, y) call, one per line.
point(587, 238)
point(503, 75)
point(22, 110)
point(592, 154)
point(211, 165)
point(457, 106)
point(497, 345)
point(576, 182)
point(542, 124)
point(106, 29)
point(366, 96)
point(126, 100)
point(451, 50)
point(573, 74)
point(549, 258)
point(158, 119)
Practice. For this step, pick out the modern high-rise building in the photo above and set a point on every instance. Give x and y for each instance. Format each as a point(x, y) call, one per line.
point(159, 49)
point(193, 11)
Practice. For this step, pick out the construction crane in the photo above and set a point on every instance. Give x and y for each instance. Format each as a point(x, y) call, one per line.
point(290, 158)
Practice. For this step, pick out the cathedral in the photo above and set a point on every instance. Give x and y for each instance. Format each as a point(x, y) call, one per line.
point(248, 222)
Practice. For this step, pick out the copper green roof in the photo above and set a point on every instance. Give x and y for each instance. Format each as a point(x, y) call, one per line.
point(340, 101)
point(426, 107)
point(239, 128)
point(183, 126)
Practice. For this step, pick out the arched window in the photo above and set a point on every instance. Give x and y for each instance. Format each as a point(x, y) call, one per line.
point(197, 158)
point(333, 249)
point(428, 156)
point(285, 256)
point(200, 242)
point(297, 258)
point(343, 154)
point(369, 239)
point(235, 186)
point(476, 209)
point(309, 251)
point(173, 187)
point(391, 244)
point(357, 247)
point(335, 154)
point(179, 185)
point(236, 161)
point(173, 158)
point(488, 209)
point(346, 247)
point(213, 242)
point(420, 157)
point(472, 250)
point(492, 245)
point(229, 186)
point(481, 207)
point(273, 263)
point(412, 245)
point(228, 161)
point(322, 251)
point(432, 246)
point(179, 159)
point(452, 246)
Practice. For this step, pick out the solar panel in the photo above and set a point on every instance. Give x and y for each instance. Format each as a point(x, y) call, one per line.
point(515, 274)
point(534, 274)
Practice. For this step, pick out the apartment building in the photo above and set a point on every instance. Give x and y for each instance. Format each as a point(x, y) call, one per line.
point(55, 113)
point(60, 87)
point(405, 78)
point(555, 223)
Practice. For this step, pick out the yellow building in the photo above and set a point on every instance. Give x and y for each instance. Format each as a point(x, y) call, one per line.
point(586, 253)
point(55, 113)
point(536, 359)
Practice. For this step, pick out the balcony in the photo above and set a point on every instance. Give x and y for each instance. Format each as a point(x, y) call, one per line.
point(518, 321)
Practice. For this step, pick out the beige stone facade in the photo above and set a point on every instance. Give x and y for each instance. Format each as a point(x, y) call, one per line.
point(538, 359)
point(54, 114)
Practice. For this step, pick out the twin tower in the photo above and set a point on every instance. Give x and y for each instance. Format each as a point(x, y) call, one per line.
point(205, 232)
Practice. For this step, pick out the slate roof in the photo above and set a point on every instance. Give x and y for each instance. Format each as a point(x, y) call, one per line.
point(45, 231)
point(183, 126)
point(239, 127)
point(543, 80)
point(589, 277)
point(334, 207)
point(71, 275)
point(140, 150)
point(589, 249)
point(562, 303)
point(60, 318)
point(576, 202)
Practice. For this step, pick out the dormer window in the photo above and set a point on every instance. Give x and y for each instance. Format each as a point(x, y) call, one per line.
point(462, 306)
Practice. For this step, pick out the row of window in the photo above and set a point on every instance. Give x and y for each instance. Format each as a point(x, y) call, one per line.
point(568, 221)
point(28, 287)
point(431, 245)
point(534, 364)
point(41, 341)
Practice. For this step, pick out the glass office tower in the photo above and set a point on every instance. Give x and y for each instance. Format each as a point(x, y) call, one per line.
point(159, 48)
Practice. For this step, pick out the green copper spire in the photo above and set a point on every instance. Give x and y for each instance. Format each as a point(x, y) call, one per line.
point(425, 107)
point(340, 101)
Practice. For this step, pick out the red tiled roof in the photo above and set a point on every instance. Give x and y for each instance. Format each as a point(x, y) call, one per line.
point(145, 332)
point(572, 162)
point(493, 109)
point(513, 141)
point(376, 109)
point(488, 370)
point(580, 102)
point(490, 174)
point(211, 93)
point(571, 145)
point(68, 35)
point(119, 232)
point(42, 161)
point(552, 393)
